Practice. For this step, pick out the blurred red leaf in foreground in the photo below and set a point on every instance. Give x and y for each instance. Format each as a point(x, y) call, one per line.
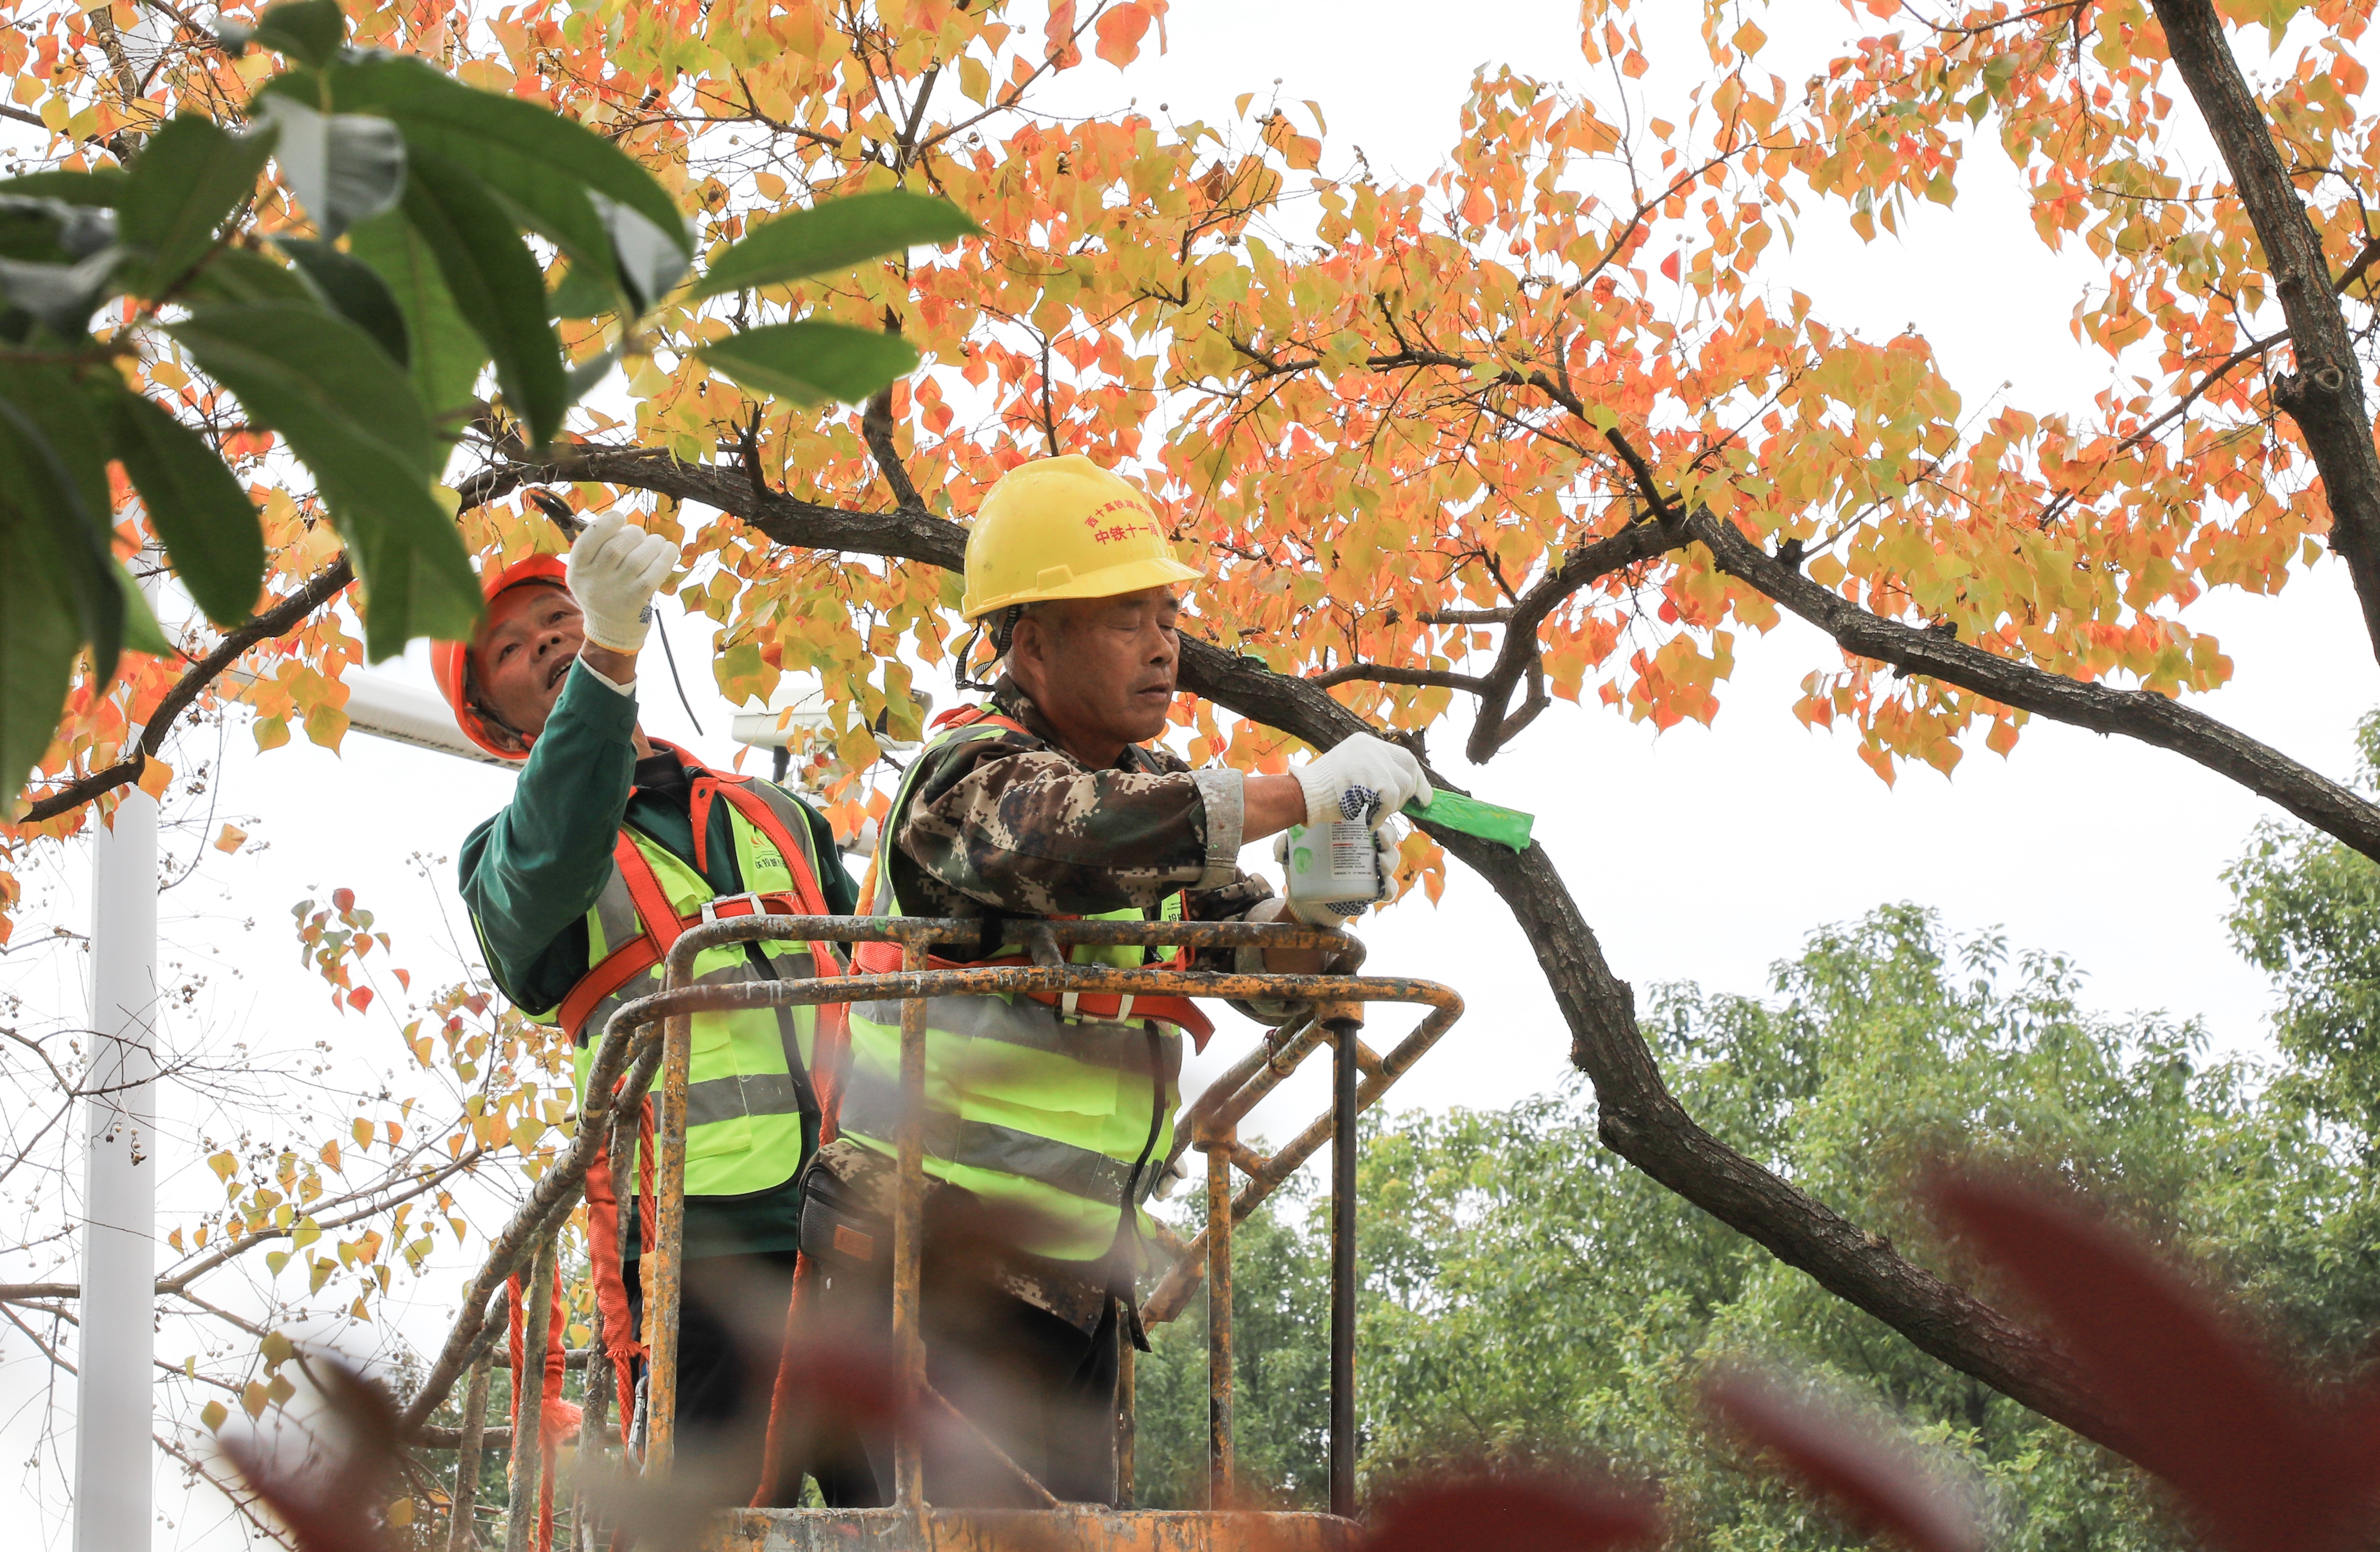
point(1509, 1514)
point(2261, 1465)
point(331, 1502)
point(1881, 1482)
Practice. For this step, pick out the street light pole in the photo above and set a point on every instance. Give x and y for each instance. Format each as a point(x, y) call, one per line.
point(115, 1358)
point(117, 1346)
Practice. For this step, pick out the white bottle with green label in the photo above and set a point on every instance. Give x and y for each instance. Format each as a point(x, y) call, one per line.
point(1334, 865)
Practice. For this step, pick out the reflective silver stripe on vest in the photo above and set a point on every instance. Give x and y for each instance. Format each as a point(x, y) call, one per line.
point(871, 1105)
point(731, 1098)
point(1036, 1026)
point(791, 966)
point(615, 911)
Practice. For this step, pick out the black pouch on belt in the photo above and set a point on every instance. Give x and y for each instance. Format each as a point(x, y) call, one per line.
point(842, 1228)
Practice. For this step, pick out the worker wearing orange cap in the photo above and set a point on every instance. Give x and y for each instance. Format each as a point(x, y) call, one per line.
point(612, 844)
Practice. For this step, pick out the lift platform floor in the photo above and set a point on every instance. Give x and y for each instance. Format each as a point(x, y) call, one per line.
point(890, 1530)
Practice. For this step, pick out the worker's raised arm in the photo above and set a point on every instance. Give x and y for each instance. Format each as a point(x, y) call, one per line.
point(531, 873)
point(548, 680)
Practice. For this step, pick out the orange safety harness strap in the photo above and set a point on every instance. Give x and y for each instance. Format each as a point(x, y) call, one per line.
point(968, 716)
point(620, 1339)
point(557, 1419)
point(883, 959)
point(662, 927)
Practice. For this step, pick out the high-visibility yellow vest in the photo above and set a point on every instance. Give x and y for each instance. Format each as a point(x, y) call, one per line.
point(752, 1111)
point(1064, 1114)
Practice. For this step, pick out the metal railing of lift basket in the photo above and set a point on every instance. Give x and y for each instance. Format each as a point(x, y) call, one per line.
point(632, 1049)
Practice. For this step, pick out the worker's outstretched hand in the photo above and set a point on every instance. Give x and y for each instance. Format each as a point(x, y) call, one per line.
point(613, 571)
point(1361, 771)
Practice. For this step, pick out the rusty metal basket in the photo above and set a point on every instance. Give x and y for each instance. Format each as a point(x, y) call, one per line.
point(1210, 1123)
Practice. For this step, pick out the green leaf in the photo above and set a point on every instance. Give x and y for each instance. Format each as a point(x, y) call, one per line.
point(353, 418)
point(345, 168)
point(185, 181)
point(65, 407)
point(645, 263)
point(308, 30)
point(541, 162)
point(242, 275)
point(59, 531)
point(834, 234)
point(141, 631)
point(56, 590)
point(585, 292)
point(196, 506)
point(808, 361)
point(39, 639)
point(496, 285)
point(61, 296)
point(351, 289)
point(445, 355)
point(42, 230)
point(650, 259)
point(100, 187)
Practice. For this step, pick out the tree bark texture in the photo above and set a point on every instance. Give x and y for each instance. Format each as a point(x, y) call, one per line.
point(2325, 395)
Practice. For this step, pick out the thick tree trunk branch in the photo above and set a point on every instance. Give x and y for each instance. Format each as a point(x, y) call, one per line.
point(2325, 397)
point(1640, 1120)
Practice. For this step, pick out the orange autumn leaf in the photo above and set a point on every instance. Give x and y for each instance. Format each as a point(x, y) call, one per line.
point(1059, 34)
point(1121, 28)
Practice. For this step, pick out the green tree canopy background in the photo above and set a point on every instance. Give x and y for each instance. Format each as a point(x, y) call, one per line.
point(1532, 1302)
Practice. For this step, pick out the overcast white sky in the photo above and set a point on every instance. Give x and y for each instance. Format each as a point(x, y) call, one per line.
point(1700, 855)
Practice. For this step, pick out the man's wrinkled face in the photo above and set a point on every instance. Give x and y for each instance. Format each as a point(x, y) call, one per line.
point(523, 650)
point(1102, 670)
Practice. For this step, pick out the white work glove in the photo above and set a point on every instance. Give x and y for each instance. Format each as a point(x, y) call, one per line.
point(612, 572)
point(1361, 771)
point(1339, 913)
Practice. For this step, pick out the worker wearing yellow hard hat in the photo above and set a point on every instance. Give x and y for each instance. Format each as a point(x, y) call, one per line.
point(1054, 1117)
point(1065, 528)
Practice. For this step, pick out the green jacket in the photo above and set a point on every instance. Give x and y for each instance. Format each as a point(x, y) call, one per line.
point(533, 874)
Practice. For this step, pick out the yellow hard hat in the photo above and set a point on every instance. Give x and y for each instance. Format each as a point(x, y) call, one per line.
point(1064, 528)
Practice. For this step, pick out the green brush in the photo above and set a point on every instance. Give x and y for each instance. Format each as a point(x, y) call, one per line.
point(1507, 826)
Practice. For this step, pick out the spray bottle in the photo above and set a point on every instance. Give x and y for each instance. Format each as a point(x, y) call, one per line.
point(1335, 865)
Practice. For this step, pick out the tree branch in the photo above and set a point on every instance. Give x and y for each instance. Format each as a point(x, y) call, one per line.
point(876, 426)
point(2325, 397)
point(1640, 540)
point(1381, 673)
point(277, 621)
point(2142, 714)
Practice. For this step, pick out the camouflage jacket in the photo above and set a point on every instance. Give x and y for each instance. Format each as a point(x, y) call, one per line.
point(1013, 825)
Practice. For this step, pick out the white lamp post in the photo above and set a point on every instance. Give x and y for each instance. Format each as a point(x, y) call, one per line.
point(117, 1343)
point(116, 1350)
